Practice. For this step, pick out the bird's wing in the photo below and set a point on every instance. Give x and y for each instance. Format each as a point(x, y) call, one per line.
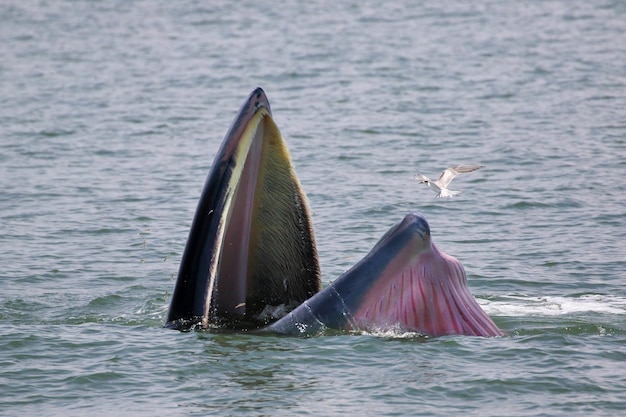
point(448, 175)
point(421, 178)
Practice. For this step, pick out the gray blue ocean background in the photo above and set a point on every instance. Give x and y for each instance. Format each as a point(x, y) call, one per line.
point(111, 113)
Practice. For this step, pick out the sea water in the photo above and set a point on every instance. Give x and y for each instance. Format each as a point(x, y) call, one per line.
point(110, 116)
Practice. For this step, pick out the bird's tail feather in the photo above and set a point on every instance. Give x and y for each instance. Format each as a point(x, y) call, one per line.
point(448, 193)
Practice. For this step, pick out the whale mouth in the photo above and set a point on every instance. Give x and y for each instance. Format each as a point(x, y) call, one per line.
point(250, 256)
point(250, 261)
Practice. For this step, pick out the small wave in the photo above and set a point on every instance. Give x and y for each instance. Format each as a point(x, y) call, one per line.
point(519, 305)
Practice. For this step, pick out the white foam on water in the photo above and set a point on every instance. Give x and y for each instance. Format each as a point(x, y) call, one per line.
point(391, 332)
point(520, 305)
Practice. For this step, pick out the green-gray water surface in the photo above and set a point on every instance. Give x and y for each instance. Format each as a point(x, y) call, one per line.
point(110, 115)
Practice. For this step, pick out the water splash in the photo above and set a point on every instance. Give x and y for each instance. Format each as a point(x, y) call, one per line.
point(521, 305)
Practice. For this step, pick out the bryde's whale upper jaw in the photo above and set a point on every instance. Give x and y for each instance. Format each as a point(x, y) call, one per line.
point(251, 248)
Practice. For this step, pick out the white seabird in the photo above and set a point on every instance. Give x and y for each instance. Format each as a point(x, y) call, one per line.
point(440, 187)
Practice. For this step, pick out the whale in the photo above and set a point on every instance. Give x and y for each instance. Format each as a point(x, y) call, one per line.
point(250, 263)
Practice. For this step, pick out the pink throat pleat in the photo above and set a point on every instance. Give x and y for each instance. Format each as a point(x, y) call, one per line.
point(429, 295)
